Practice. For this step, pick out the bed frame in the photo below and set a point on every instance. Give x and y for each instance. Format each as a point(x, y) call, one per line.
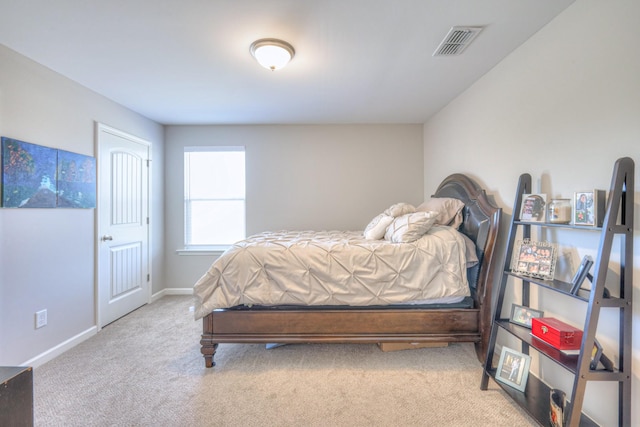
point(379, 324)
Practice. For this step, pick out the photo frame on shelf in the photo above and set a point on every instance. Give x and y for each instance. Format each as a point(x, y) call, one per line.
point(598, 358)
point(557, 406)
point(521, 315)
point(533, 208)
point(588, 208)
point(581, 274)
point(596, 354)
point(534, 259)
point(513, 368)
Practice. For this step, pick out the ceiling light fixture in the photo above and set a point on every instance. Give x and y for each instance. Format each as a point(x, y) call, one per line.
point(272, 53)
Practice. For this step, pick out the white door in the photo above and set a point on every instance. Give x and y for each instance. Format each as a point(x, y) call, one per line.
point(123, 224)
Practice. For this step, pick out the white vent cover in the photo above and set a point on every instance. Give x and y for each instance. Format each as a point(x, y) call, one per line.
point(456, 41)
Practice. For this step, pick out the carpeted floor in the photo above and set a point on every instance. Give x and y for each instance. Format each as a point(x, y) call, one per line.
point(146, 370)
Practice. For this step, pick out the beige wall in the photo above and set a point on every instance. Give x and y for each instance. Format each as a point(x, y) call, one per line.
point(300, 177)
point(47, 255)
point(562, 107)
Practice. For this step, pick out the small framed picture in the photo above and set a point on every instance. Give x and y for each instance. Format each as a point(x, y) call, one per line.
point(581, 274)
point(557, 406)
point(598, 358)
point(533, 207)
point(596, 353)
point(534, 259)
point(513, 368)
point(521, 315)
point(589, 207)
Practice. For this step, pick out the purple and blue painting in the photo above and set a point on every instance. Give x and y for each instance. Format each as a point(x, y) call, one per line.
point(28, 175)
point(76, 180)
point(34, 176)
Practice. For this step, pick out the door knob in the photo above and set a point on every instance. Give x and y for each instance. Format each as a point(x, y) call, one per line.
point(106, 237)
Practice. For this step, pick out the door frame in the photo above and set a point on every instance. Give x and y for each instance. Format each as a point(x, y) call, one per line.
point(98, 129)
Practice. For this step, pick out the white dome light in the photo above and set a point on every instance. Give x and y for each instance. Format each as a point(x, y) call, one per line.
point(272, 53)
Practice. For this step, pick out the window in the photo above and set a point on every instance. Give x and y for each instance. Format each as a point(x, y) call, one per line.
point(214, 196)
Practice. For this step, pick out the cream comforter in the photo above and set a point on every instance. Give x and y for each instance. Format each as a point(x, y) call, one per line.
point(334, 268)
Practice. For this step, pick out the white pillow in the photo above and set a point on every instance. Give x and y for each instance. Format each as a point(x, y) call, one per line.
point(400, 209)
point(377, 227)
point(449, 210)
point(410, 227)
point(470, 251)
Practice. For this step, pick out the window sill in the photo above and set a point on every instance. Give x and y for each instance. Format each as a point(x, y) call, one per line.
point(203, 251)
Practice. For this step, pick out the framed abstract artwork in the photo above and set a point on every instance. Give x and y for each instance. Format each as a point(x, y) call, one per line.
point(34, 176)
point(28, 175)
point(76, 180)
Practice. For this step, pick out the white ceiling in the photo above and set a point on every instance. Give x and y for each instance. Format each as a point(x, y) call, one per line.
point(188, 61)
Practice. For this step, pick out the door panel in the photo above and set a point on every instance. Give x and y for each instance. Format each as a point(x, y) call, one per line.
point(126, 273)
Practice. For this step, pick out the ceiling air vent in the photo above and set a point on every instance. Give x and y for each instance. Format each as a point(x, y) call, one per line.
point(457, 40)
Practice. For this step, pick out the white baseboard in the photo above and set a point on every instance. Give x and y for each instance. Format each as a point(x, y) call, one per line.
point(171, 291)
point(56, 351)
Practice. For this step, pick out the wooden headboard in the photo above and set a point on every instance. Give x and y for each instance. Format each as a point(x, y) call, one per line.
point(481, 224)
point(481, 218)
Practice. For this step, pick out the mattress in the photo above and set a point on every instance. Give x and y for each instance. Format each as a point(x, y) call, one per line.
point(335, 268)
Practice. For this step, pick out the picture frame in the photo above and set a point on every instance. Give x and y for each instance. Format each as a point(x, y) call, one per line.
point(28, 175)
point(534, 259)
point(596, 354)
point(76, 175)
point(581, 274)
point(521, 315)
point(598, 358)
point(533, 208)
point(513, 368)
point(557, 406)
point(35, 176)
point(588, 208)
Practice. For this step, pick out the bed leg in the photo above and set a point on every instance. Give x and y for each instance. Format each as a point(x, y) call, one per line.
point(208, 350)
point(209, 346)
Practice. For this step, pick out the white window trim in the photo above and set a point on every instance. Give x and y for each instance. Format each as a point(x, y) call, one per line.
point(207, 250)
point(202, 250)
point(192, 148)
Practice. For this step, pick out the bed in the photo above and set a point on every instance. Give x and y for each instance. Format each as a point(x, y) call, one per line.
point(383, 315)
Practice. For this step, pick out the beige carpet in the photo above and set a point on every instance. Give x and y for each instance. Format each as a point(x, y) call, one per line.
point(146, 370)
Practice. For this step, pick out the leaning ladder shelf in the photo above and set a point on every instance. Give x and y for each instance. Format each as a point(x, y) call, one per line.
point(618, 221)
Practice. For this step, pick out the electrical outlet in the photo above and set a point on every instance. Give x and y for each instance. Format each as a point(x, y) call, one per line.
point(41, 318)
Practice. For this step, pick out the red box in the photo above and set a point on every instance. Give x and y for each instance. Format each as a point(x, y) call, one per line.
point(556, 333)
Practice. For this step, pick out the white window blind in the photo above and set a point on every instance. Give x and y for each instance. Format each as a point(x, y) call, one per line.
point(214, 196)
